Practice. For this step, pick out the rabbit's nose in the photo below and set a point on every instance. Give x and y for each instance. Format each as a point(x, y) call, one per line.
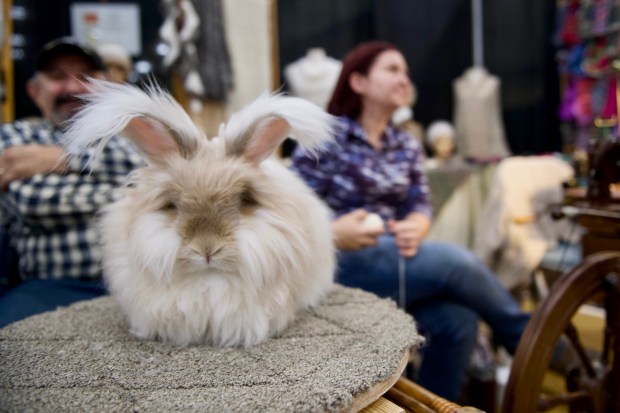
point(210, 253)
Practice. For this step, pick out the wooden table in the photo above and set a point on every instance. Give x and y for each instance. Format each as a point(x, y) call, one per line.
point(600, 219)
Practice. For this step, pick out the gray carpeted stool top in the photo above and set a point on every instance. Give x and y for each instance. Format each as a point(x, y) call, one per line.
point(82, 358)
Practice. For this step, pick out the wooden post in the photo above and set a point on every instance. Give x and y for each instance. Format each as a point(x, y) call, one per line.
point(6, 64)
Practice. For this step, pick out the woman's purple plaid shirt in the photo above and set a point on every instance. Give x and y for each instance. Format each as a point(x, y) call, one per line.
point(351, 174)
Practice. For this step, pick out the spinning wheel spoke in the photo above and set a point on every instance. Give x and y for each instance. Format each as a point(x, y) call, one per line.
point(586, 362)
point(593, 385)
point(547, 402)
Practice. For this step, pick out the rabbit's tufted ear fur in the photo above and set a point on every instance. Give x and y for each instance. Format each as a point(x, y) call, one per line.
point(154, 140)
point(153, 120)
point(257, 130)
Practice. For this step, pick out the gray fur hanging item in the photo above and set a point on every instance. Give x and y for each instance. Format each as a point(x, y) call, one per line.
point(194, 32)
point(215, 68)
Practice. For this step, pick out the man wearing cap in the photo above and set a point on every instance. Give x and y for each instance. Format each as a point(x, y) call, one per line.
point(48, 202)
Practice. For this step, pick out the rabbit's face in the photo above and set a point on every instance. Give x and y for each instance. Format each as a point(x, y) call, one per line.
point(206, 199)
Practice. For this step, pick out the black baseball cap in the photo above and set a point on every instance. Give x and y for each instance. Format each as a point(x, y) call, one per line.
point(64, 46)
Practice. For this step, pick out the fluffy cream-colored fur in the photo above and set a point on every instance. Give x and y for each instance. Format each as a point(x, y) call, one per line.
point(210, 242)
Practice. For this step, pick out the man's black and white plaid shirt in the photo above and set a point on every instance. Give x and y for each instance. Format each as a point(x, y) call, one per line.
point(50, 218)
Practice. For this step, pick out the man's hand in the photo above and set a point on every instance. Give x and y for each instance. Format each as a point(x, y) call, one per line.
point(351, 234)
point(25, 161)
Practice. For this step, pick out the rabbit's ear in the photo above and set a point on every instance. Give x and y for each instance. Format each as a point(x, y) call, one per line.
point(153, 120)
point(153, 139)
point(257, 131)
point(263, 140)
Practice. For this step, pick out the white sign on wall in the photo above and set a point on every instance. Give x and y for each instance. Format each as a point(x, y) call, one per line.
point(119, 23)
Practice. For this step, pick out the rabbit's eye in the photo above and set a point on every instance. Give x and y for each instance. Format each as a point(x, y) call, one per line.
point(247, 198)
point(168, 206)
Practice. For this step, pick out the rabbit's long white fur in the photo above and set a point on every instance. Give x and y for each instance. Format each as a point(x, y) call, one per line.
point(111, 107)
point(212, 243)
point(309, 125)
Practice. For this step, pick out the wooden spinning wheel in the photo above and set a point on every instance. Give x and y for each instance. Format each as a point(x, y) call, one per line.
point(595, 385)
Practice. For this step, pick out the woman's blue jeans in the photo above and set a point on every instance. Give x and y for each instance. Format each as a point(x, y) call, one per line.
point(448, 290)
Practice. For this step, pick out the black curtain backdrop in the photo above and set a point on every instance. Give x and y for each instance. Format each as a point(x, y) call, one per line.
point(41, 21)
point(436, 38)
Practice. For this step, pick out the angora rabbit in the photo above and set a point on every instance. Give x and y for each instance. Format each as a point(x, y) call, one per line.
point(212, 242)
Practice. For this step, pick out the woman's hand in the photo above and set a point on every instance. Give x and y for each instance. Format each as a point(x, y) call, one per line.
point(409, 233)
point(351, 233)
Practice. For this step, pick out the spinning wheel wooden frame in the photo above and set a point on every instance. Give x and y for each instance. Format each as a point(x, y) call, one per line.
point(595, 385)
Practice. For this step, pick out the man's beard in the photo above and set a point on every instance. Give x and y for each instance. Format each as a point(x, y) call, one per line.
point(65, 107)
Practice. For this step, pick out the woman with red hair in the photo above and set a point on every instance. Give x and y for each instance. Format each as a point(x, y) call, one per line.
point(373, 167)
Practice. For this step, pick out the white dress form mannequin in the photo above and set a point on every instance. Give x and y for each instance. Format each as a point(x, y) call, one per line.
point(313, 77)
point(478, 116)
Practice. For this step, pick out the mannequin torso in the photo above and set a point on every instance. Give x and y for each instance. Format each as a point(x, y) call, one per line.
point(478, 122)
point(313, 77)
